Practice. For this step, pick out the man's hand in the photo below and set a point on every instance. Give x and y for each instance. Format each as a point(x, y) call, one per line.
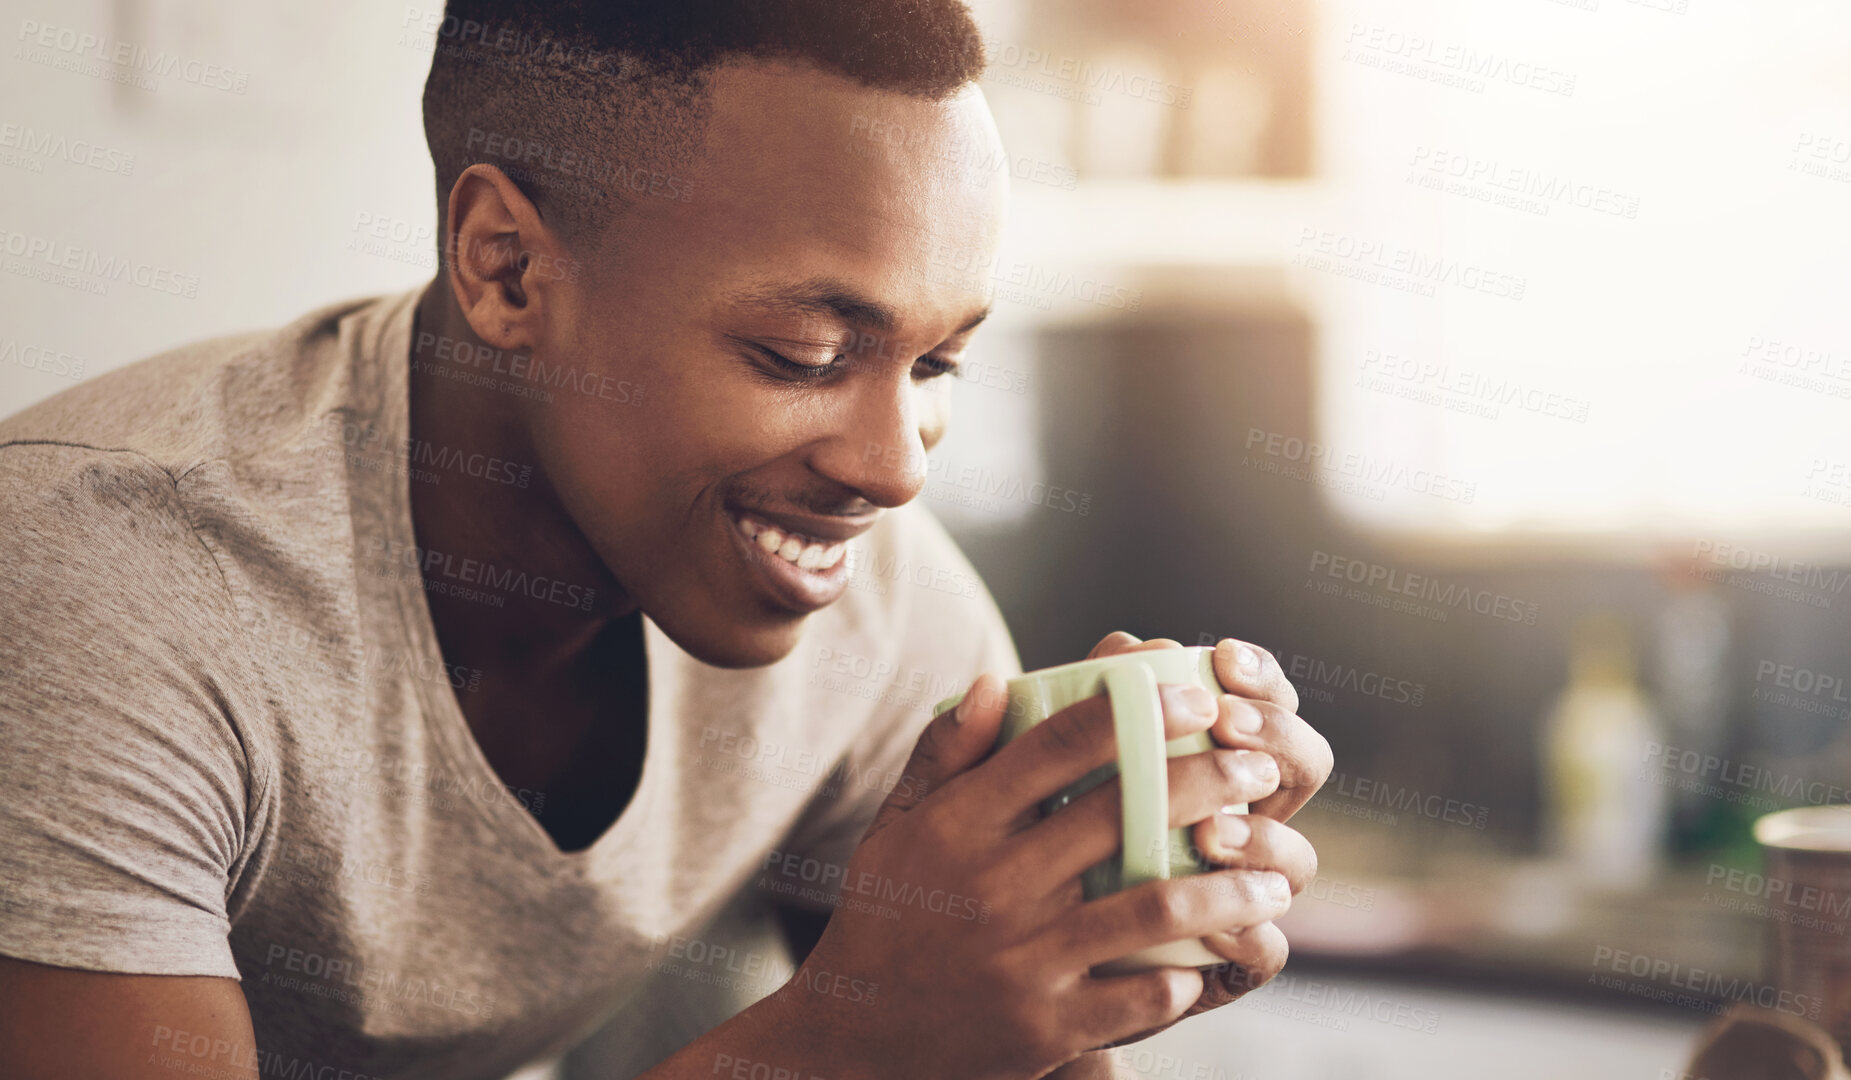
point(962, 946)
point(1259, 712)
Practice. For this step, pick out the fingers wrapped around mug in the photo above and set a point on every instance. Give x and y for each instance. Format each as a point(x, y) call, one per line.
point(1056, 850)
point(1159, 912)
point(1119, 641)
point(1254, 952)
point(1252, 842)
point(1056, 753)
point(1254, 955)
point(1252, 672)
point(1304, 756)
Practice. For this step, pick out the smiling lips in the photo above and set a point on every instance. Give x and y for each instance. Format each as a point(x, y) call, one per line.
point(801, 551)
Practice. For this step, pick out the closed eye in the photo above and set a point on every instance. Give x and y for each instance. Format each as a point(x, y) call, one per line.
point(796, 370)
point(933, 367)
point(925, 369)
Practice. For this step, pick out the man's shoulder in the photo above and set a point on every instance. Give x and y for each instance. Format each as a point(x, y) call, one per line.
point(160, 494)
point(111, 600)
point(86, 526)
point(212, 399)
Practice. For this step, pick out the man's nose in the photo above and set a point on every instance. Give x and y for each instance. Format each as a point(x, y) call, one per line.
point(879, 450)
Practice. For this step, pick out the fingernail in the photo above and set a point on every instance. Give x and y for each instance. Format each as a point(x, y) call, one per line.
point(1198, 701)
point(1246, 658)
point(962, 710)
point(1246, 717)
point(1232, 831)
point(1231, 834)
point(1265, 769)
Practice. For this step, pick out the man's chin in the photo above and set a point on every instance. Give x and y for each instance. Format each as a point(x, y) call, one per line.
point(738, 646)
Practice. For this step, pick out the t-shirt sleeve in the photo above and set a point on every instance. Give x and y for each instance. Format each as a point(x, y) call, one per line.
point(122, 775)
point(876, 764)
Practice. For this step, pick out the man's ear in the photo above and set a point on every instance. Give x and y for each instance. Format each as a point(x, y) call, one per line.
point(496, 251)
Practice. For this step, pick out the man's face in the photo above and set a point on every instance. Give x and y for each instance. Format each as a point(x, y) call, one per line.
point(787, 331)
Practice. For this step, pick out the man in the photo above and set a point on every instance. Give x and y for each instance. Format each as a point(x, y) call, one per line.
point(374, 688)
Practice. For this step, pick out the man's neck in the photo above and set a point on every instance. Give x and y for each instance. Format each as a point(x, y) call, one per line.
point(491, 538)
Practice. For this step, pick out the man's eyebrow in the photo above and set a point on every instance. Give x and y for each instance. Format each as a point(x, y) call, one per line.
point(823, 296)
point(827, 296)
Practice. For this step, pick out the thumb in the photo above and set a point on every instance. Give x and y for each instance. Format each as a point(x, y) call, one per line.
point(953, 742)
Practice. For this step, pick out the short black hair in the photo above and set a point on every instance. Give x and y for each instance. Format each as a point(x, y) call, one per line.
point(586, 105)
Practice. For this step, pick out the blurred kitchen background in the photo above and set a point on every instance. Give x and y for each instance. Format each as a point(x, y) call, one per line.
point(1486, 361)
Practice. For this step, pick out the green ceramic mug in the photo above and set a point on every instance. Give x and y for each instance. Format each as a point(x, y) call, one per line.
point(1151, 850)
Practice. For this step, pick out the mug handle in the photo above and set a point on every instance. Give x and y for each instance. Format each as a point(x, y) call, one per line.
point(1143, 771)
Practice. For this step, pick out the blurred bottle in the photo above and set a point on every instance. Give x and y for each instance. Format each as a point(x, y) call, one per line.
point(1604, 814)
point(1691, 676)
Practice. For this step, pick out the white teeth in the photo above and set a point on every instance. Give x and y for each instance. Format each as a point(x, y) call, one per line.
point(819, 557)
point(810, 555)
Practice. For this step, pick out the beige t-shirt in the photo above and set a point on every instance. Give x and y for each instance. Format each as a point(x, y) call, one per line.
point(230, 745)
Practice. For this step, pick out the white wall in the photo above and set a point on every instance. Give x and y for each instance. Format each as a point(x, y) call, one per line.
point(253, 194)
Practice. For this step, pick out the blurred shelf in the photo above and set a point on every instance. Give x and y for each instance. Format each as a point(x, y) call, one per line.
point(1147, 223)
point(1112, 250)
point(1521, 925)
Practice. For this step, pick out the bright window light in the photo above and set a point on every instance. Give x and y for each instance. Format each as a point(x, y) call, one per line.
point(1582, 270)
